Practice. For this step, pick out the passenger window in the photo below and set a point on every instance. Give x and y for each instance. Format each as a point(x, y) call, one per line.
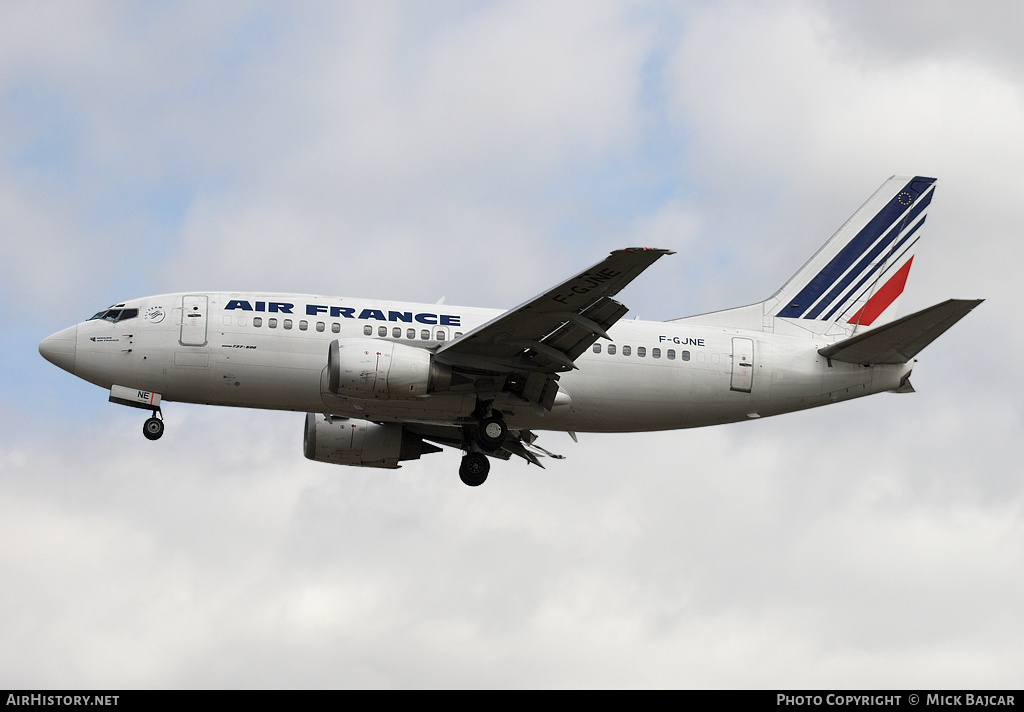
point(335, 328)
point(367, 330)
point(303, 325)
point(257, 321)
point(458, 334)
point(241, 321)
point(272, 322)
point(397, 332)
point(611, 349)
point(597, 348)
point(320, 326)
point(441, 336)
point(410, 333)
point(382, 331)
point(671, 354)
point(641, 351)
point(626, 351)
point(685, 355)
point(287, 323)
point(425, 334)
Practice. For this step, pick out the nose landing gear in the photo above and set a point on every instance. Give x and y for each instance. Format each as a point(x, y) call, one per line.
point(153, 428)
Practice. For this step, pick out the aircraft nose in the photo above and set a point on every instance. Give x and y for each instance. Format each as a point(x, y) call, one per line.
point(59, 348)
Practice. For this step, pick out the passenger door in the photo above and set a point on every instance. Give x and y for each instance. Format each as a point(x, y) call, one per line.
point(742, 364)
point(193, 320)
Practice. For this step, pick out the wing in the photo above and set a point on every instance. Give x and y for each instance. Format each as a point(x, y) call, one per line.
point(550, 331)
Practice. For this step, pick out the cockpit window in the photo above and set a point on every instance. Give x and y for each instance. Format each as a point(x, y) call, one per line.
point(115, 314)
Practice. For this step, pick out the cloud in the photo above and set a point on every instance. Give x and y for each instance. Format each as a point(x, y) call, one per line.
point(483, 152)
point(236, 562)
point(783, 108)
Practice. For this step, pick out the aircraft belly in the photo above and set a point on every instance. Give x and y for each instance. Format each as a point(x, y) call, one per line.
point(616, 397)
point(859, 381)
point(265, 372)
point(439, 409)
point(802, 378)
point(293, 387)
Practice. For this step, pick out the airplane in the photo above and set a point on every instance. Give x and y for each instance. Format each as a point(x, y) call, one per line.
point(385, 382)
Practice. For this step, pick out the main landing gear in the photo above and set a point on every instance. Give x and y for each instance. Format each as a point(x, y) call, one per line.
point(153, 428)
point(491, 432)
point(489, 436)
point(474, 468)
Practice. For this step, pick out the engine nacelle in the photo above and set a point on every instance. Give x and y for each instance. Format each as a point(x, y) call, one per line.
point(372, 368)
point(347, 441)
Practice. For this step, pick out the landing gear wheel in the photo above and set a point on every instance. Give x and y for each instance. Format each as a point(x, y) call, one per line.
point(153, 428)
point(474, 469)
point(491, 432)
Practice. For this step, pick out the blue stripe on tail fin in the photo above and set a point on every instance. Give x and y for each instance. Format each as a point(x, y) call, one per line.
point(875, 244)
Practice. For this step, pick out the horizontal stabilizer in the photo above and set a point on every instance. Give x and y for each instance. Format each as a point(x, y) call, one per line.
point(901, 340)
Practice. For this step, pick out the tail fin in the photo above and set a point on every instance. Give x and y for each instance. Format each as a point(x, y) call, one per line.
point(857, 277)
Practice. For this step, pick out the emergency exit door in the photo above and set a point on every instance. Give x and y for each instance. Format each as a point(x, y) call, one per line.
point(193, 320)
point(742, 364)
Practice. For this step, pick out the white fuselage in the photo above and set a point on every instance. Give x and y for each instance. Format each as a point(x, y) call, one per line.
point(271, 351)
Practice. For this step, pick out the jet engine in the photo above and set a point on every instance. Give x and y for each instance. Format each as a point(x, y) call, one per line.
point(371, 368)
point(348, 441)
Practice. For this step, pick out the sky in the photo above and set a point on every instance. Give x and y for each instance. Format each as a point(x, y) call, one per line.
point(482, 152)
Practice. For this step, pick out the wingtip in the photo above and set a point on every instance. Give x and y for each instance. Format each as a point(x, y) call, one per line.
point(972, 302)
point(659, 250)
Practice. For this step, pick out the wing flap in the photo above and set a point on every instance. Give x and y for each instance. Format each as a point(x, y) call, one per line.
point(901, 340)
point(584, 328)
point(550, 331)
point(522, 443)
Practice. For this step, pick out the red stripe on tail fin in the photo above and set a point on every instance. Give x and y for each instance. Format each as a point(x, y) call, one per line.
point(883, 297)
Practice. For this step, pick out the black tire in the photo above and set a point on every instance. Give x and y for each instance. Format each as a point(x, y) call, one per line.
point(153, 428)
point(474, 469)
point(491, 432)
